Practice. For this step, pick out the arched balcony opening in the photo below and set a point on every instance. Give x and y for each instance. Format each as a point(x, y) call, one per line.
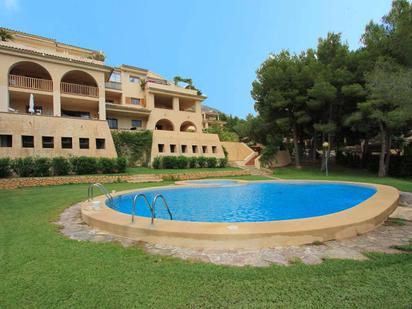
point(30, 75)
point(28, 79)
point(187, 126)
point(165, 125)
point(79, 83)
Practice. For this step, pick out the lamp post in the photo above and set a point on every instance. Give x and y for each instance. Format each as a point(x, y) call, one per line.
point(325, 146)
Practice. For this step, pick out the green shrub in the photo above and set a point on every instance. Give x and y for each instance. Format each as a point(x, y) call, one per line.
point(60, 166)
point(202, 161)
point(182, 162)
point(41, 167)
point(107, 165)
point(135, 146)
point(211, 162)
point(192, 162)
point(170, 162)
point(23, 166)
point(222, 162)
point(157, 163)
point(121, 163)
point(84, 165)
point(5, 167)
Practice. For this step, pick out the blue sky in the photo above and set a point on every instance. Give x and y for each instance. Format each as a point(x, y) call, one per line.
point(218, 43)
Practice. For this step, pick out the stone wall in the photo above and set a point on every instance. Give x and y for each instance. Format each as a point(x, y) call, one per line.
point(13, 183)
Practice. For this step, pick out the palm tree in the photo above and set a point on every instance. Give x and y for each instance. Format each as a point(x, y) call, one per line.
point(5, 35)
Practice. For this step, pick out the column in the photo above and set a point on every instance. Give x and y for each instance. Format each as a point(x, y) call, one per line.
point(198, 107)
point(175, 104)
point(102, 104)
point(4, 92)
point(56, 101)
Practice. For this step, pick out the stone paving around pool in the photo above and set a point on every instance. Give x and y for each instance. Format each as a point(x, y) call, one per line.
point(393, 233)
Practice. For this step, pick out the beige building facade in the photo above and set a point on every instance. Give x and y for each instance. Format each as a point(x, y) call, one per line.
point(77, 96)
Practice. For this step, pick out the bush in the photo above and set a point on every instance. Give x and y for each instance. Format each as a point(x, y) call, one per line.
point(41, 167)
point(60, 166)
point(222, 162)
point(202, 161)
point(107, 165)
point(182, 162)
point(23, 167)
point(84, 165)
point(121, 163)
point(211, 162)
point(157, 163)
point(134, 146)
point(5, 167)
point(170, 162)
point(192, 162)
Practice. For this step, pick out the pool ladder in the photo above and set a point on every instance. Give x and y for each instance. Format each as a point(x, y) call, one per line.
point(152, 206)
point(102, 189)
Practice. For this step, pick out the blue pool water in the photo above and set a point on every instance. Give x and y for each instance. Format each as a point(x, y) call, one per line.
point(250, 202)
point(212, 182)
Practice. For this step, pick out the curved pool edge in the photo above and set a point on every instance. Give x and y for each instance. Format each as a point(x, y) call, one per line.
point(348, 223)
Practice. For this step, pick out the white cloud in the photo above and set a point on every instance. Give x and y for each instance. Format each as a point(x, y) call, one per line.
point(11, 5)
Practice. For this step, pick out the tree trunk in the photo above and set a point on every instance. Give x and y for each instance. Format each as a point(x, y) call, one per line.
point(314, 147)
point(382, 167)
point(296, 146)
point(388, 152)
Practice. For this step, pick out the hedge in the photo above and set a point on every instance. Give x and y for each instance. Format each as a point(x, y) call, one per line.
point(58, 166)
point(182, 162)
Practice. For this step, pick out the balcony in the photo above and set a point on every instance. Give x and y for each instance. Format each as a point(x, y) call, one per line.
point(25, 82)
point(114, 85)
point(81, 90)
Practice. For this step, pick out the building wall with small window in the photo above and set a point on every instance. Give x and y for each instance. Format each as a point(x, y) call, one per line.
point(191, 144)
point(27, 135)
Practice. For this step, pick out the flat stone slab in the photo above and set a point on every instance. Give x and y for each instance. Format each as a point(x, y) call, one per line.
point(394, 232)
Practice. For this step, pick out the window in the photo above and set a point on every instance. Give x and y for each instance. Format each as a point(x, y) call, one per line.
point(214, 149)
point(100, 143)
point(161, 147)
point(113, 124)
point(6, 141)
point(48, 141)
point(194, 148)
point(134, 79)
point(172, 148)
point(115, 77)
point(67, 143)
point(79, 114)
point(136, 123)
point(84, 143)
point(27, 141)
point(135, 101)
point(204, 149)
point(184, 148)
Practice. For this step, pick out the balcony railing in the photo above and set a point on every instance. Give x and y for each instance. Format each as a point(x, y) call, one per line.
point(20, 81)
point(76, 89)
point(157, 81)
point(114, 85)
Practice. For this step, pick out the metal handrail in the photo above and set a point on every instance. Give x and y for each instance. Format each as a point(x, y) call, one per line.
point(147, 203)
point(164, 203)
point(102, 189)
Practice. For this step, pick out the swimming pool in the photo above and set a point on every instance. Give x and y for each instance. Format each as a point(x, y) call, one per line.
point(230, 201)
point(244, 214)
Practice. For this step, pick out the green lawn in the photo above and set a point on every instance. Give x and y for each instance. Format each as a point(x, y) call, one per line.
point(340, 173)
point(39, 268)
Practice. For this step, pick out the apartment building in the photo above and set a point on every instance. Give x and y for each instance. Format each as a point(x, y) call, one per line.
point(59, 99)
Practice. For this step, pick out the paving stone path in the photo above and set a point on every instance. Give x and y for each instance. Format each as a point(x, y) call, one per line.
point(382, 239)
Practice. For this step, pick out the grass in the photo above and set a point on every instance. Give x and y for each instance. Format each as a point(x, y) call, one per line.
point(39, 268)
point(340, 173)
